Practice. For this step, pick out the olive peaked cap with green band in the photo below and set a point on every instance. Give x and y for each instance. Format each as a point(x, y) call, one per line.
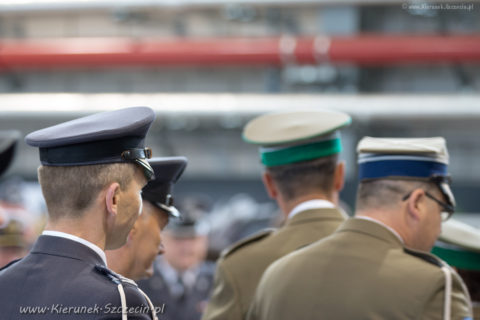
point(106, 137)
point(294, 136)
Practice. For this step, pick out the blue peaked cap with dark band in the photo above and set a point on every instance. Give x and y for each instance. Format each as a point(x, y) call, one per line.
point(106, 137)
point(405, 158)
point(160, 190)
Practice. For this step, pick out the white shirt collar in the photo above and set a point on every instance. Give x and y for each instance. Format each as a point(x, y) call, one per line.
point(310, 204)
point(79, 240)
point(395, 233)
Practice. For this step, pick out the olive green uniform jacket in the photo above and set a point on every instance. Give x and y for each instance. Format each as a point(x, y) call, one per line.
point(360, 272)
point(239, 268)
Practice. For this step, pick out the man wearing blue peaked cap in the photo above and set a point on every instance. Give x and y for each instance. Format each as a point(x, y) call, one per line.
point(377, 264)
point(92, 173)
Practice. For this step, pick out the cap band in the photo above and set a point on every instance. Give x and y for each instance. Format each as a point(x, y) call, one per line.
point(104, 151)
point(457, 257)
point(99, 152)
point(373, 169)
point(171, 210)
point(277, 157)
point(147, 168)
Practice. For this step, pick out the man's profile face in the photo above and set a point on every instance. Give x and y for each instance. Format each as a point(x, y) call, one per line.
point(129, 208)
point(432, 222)
point(147, 240)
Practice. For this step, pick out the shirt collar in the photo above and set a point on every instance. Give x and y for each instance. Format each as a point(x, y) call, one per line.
point(395, 233)
point(79, 240)
point(310, 204)
point(171, 274)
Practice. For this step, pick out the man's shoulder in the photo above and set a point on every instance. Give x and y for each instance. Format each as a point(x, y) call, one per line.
point(418, 267)
point(89, 286)
point(121, 290)
point(426, 259)
point(243, 246)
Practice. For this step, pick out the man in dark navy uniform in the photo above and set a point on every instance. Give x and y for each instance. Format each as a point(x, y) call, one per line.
point(92, 173)
point(135, 259)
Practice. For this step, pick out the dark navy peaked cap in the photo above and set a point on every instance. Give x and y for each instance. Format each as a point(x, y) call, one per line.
point(159, 191)
point(107, 137)
point(8, 141)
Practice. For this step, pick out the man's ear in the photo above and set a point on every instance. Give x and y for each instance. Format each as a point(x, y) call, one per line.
point(416, 204)
point(270, 185)
point(339, 176)
point(111, 198)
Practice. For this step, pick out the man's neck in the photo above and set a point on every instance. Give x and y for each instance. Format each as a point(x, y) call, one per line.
point(288, 206)
point(387, 219)
point(120, 262)
point(79, 228)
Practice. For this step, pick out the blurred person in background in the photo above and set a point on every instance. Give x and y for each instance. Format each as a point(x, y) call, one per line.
point(145, 241)
point(8, 142)
point(459, 245)
point(19, 229)
point(13, 242)
point(183, 279)
point(377, 264)
point(304, 176)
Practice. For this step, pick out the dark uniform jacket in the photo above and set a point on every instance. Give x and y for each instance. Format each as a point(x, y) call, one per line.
point(177, 301)
point(362, 271)
point(239, 269)
point(64, 279)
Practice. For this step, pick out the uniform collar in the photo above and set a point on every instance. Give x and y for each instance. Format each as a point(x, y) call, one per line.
point(372, 228)
point(310, 204)
point(395, 233)
point(87, 243)
point(171, 275)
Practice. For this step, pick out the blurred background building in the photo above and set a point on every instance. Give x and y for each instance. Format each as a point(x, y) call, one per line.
point(400, 68)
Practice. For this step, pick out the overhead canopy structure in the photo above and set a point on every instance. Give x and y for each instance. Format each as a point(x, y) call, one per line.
point(366, 107)
point(52, 5)
point(364, 50)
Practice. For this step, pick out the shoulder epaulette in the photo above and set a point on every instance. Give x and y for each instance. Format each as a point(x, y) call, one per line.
point(246, 241)
point(9, 264)
point(430, 258)
point(112, 276)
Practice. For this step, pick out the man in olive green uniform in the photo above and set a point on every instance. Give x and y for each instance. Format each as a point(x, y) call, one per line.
point(300, 151)
point(376, 265)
